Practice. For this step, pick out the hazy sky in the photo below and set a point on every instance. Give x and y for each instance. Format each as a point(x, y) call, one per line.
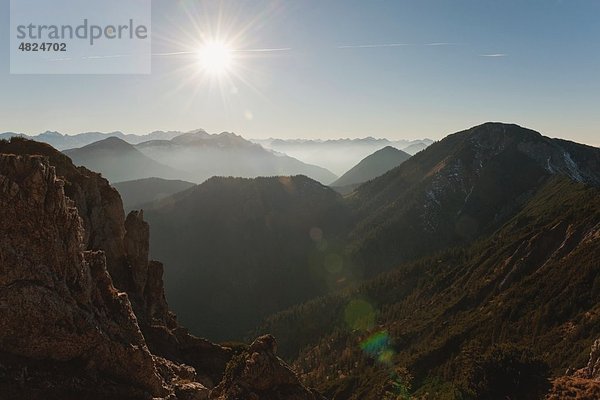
point(347, 68)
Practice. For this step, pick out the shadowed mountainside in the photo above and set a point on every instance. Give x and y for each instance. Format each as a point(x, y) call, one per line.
point(140, 192)
point(458, 189)
point(337, 155)
point(244, 248)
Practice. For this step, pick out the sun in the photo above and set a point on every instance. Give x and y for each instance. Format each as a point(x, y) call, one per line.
point(215, 58)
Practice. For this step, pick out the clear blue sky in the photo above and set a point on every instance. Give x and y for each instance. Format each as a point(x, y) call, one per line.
point(546, 74)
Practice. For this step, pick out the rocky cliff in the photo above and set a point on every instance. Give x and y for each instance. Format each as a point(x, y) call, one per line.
point(82, 308)
point(584, 384)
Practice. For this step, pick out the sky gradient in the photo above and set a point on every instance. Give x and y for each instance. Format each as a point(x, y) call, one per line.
point(346, 68)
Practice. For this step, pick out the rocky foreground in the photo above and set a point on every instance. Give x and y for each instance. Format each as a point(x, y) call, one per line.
point(82, 309)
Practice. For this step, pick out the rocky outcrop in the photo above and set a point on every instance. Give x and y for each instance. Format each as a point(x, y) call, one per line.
point(584, 384)
point(258, 374)
point(592, 370)
point(68, 328)
point(58, 302)
point(125, 244)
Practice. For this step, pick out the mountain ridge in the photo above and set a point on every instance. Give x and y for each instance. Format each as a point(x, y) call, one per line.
point(118, 161)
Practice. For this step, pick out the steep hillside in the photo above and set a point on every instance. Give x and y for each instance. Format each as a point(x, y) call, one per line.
point(460, 188)
point(373, 166)
point(140, 192)
point(203, 155)
point(240, 249)
point(119, 161)
point(493, 319)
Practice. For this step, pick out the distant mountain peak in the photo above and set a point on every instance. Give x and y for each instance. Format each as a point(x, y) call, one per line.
point(51, 133)
point(111, 142)
point(372, 166)
point(191, 137)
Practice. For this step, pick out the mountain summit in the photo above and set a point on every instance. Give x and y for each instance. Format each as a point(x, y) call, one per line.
point(373, 166)
point(119, 161)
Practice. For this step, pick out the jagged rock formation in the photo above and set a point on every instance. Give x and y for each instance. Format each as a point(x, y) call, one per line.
point(125, 245)
point(82, 308)
point(258, 374)
point(58, 302)
point(584, 384)
point(592, 370)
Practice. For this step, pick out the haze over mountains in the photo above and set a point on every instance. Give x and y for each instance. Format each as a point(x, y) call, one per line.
point(63, 142)
point(120, 161)
point(197, 155)
point(203, 155)
point(193, 156)
point(339, 155)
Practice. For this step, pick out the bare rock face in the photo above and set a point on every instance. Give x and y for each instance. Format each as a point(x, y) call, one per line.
point(593, 368)
point(125, 243)
point(58, 302)
point(258, 374)
point(146, 276)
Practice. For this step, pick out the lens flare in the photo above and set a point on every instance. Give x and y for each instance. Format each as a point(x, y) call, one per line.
point(359, 315)
point(378, 346)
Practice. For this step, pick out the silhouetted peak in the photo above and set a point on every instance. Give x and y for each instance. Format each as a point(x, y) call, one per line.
point(112, 142)
point(51, 133)
point(191, 137)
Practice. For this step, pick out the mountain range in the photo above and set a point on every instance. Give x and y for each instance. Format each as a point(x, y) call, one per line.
point(489, 202)
point(63, 142)
point(193, 156)
point(203, 155)
point(118, 161)
point(335, 155)
point(460, 189)
point(468, 271)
